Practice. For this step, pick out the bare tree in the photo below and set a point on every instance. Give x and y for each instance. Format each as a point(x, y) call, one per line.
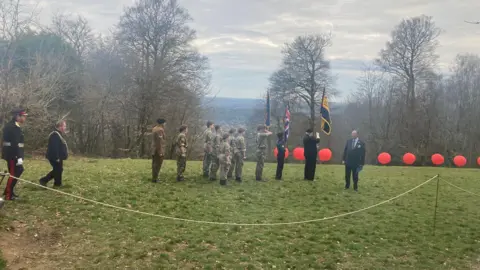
point(304, 72)
point(154, 36)
point(410, 55)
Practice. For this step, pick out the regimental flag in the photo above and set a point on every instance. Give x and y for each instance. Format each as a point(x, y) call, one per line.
point(267, 110)
point(325, 112)
point(286, 122)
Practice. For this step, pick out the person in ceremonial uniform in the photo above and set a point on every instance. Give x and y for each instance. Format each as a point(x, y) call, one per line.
point(310, 142)
point(231, 142)
point(216, 144)
point(225, 158)
point(181, 151)
point(208, 149)
point(13, 151)
point(262, 134)
point(239, 154)
point(158, 148)
point(280, 155)
point(57, 152)
point(354, 159)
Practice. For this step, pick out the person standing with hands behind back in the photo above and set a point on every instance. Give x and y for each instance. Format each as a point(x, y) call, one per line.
point(158, 148)
point(57, 152)
point(181, 148)
point(354, 159)
point(310, 142)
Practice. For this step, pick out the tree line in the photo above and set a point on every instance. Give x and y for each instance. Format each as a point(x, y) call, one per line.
point(402, 103)
point(110, 88)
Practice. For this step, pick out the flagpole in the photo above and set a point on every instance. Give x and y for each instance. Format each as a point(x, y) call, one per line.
point(321, 105)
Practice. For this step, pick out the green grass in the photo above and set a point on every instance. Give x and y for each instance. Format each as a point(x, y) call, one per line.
point(396, 235)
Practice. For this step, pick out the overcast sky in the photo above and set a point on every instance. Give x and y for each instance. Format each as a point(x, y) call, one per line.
point(243, 39)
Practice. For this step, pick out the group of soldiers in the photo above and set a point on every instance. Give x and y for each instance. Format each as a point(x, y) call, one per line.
point(224, 152)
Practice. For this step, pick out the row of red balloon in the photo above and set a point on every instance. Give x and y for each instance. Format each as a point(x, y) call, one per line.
point(437, 159)
point(298, 154)
point(383, 158)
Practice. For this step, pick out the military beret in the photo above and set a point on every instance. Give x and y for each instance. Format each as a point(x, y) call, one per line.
point(309, 130)
point(225, 135)
point(19, 112)
point(232, 131)
point(240, 130)
point(161, 121)
point(260, 127)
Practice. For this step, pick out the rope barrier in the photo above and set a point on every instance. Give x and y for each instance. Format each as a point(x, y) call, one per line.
point(457, 187)
point(227, 223)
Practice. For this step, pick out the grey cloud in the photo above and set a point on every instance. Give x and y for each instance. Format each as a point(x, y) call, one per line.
point(243, 39)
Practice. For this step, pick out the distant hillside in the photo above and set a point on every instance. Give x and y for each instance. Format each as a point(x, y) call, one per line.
point(239, 111)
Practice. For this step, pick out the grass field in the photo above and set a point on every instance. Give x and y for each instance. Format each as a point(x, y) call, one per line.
point(51, 231)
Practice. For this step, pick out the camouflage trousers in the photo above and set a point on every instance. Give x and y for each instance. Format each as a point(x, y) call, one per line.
point(260, 163)
point(181, 164)
point(238, 164)
point(214, 167)
point(224, 167)
point(207, 162)
point(232, 168)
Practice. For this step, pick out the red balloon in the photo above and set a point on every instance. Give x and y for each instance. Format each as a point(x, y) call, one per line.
point(409, 158)
point(325, 154)
point(460, 161)
point(437, 159)
point(384, 158)
point(275, 152)
point(298, 153)
point(478, 161)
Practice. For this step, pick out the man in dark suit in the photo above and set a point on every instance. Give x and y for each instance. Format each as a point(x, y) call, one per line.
point(354, 159)
point(57, 152)
point(310, 152)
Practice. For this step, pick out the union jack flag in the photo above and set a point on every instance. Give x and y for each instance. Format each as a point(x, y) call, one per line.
point(287, 123)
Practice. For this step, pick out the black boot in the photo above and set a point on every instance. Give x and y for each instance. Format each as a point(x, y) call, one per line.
point(43, 182)
point(238, 179)
point(223, 182)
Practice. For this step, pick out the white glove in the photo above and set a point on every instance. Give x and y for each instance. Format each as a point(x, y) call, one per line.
point(20, 162)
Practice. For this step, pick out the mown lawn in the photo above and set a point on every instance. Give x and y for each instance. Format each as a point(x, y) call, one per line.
point(66, 233)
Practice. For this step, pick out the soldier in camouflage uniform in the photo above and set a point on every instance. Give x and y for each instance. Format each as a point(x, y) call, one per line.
point(208, 148)
point(181, 146)
point(239, 154)
point(262, 134)
point(231, 142)
point(216, 144)
point(225, 158)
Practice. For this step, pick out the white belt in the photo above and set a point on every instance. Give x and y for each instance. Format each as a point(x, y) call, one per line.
point(10, 144)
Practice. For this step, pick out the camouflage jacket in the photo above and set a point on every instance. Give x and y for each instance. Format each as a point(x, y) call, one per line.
point(232, 142)
point(262, 140)
point(181, 145)
point(217, 140)
point(240, 146)
point(208, 146)
point(224, 152)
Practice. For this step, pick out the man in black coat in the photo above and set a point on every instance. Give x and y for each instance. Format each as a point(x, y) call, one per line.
point(13, 151)
point(354, 159)
point(310, 152)
point(57, 152)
